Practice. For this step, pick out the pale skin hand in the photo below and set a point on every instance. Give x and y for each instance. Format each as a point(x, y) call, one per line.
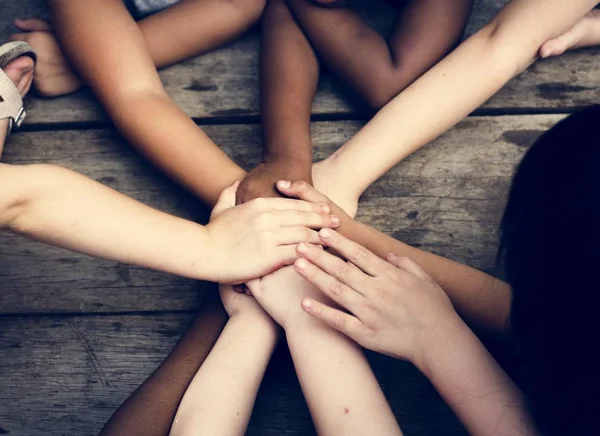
point(452, 89)
point(397, 309)
point(63, 208)
point(482, 300)
point(341, 391)
point(220, 399)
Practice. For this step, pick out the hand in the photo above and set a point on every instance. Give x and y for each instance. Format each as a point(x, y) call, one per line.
point(240, 304)
point(304, 191)
point(259, 237)
point(396, 308)
point(260, 182)
point(280, 294)
point(54, 75)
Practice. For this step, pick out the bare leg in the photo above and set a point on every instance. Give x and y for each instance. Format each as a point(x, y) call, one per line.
point(189, 28)
point(150, 410)
point(376, 69)
point(289, 74)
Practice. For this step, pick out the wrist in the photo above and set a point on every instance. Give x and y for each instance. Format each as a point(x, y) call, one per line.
point(295, 162)
point(257, 325)
point(210, 259)
point(439, 345)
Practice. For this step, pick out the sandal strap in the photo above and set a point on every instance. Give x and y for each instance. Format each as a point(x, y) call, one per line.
point(11, 103)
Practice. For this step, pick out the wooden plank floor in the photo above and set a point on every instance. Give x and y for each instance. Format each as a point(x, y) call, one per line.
point(77, 335)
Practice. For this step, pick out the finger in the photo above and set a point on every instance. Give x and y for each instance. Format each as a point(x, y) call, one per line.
point(33, 25)
point(226, 199)
point(351, 251)
point(407, 264)
point(281, 204)
point(295, 235)
point(254, 286)
point(302, 190)
point(313, 220)
point(338, 320)
point(339, 292)
point(334, 266)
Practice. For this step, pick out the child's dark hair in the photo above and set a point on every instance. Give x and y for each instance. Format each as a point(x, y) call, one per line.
point(550, 249)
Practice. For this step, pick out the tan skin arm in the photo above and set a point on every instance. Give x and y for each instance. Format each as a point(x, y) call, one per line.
point(108, 49)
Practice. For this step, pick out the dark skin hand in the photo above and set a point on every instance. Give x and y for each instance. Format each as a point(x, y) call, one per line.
point(289, 74)
point(260, 182)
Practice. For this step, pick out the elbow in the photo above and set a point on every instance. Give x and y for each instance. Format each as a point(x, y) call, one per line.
point(385, 89)
point(508, 48)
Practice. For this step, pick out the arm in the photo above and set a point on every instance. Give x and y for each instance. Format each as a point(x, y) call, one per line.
point(453, 88)
point(150, 410)
point(220, 399)
point(376, 69)
point(342, 393)
point(398, 310)
point(288, 82)
point(108, 49)
point(481, 299)
point(188, 28)
point(63, 208)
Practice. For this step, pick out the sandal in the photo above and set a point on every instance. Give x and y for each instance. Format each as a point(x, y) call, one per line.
point(11, 103)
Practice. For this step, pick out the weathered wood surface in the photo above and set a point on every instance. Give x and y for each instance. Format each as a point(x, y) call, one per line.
point(224, 84)
point(66, 376)
point(447, 198)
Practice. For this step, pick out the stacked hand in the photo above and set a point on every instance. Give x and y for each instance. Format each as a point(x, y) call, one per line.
point(260, 236)
point(395, 307)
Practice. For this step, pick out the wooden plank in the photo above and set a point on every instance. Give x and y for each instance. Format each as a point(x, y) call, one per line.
point(66, 376)
point(224, 84)
point(447, 198)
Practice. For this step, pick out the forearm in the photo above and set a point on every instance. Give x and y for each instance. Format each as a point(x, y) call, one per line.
point(220, 399)
point(453, 88)
point(121, 72)
point(63, 208)
point(483, 397)
point(150, 410)
point(484, 301)
point(342, 393)
point(191, 28)
point(372, 67)
point(288, 83)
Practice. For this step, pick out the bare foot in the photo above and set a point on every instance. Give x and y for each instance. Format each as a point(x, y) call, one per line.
point(326, 183)
point(583, 34)
point(54, 76)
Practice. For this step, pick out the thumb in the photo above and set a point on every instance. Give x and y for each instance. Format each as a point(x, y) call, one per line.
point(301, 190)
point(33, 25)
point(226, 199)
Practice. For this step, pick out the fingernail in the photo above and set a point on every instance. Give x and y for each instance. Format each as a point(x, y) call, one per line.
point(302, 248)
point(325, 208)
point(301, 263)
point(284, 184)
point(325, 233)
point(307, 304)
point(335, 220)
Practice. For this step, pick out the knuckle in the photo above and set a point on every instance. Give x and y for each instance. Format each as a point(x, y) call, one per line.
point(360, 255)
point(341, 270)
point(336, 288)
point(338, 321)
point(302, 186)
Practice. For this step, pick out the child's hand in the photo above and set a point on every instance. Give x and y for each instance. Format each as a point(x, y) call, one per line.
point(305, 191)
point(240, 304)
point(260, 182)
point(396, 308)
point(280, 294)
point(259, 237)
point(53, 74)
